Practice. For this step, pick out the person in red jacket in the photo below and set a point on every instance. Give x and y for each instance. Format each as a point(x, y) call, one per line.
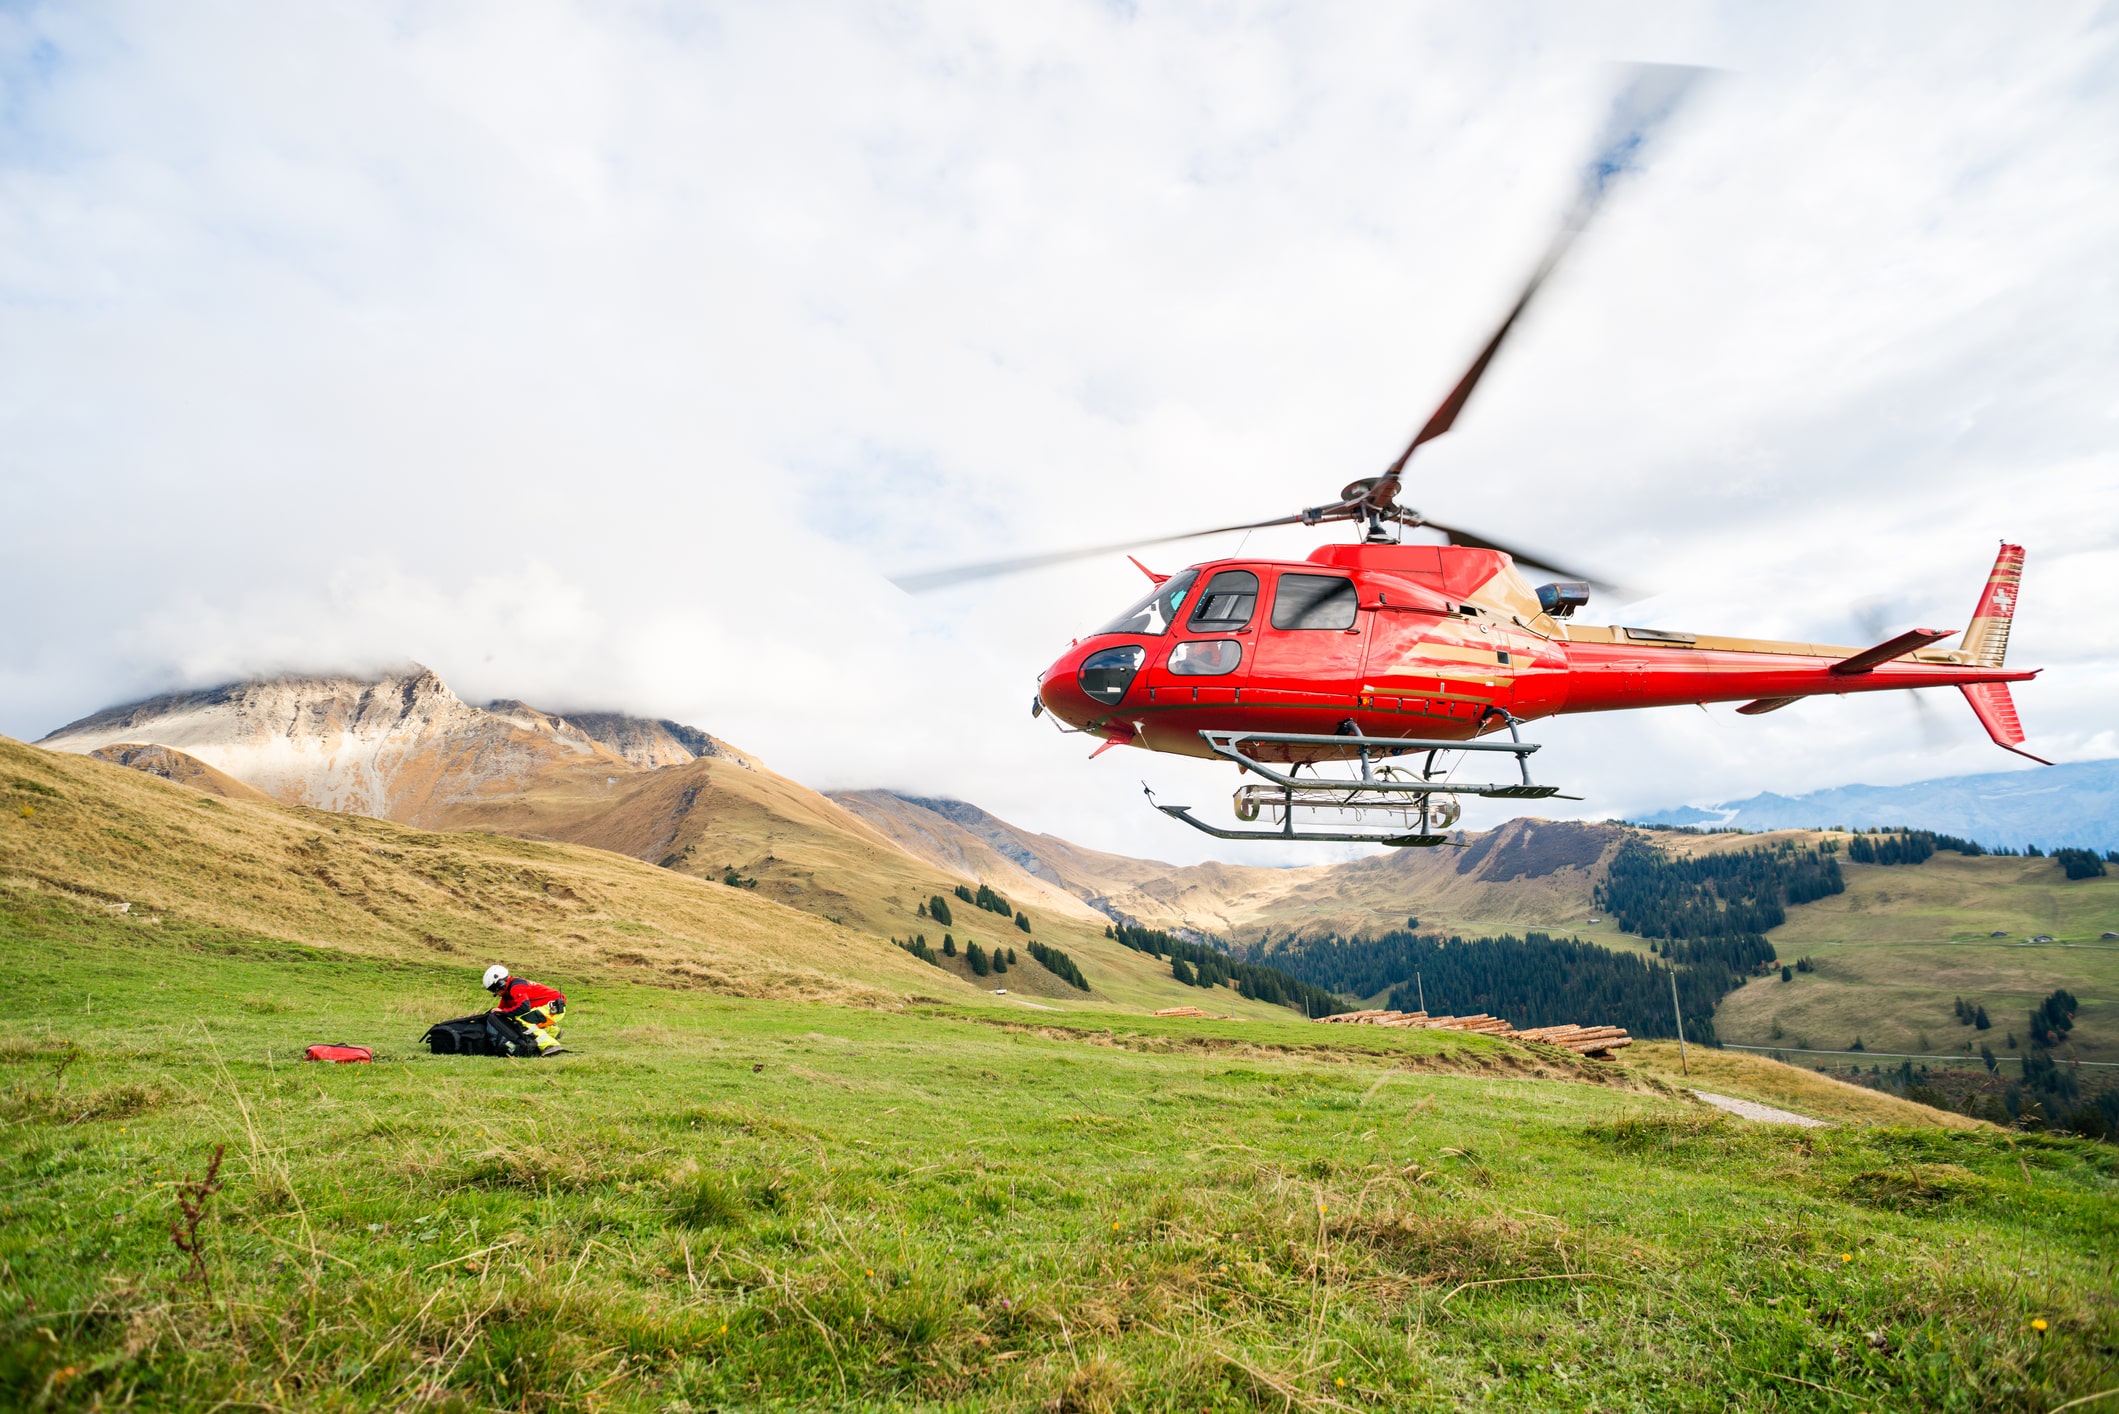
point(534, 1007)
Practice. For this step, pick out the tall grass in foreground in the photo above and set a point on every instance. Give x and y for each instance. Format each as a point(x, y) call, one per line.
point(717, 1204)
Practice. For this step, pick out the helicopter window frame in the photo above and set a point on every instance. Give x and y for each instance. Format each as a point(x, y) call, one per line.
point(1335, 594)
point(1205, 658)
point(1105, 675)
point(1153, 615)
point(1226, 585)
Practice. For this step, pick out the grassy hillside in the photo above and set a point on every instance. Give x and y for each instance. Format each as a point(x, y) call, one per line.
point(1950, 898)
point(1900, 997)
point(1788, 1087)
point(75, 827)
point(725, 1203)
point(1895, 951)
point(1526, 873)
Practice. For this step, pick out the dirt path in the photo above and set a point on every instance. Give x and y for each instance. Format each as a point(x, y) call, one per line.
point(1753, 1110)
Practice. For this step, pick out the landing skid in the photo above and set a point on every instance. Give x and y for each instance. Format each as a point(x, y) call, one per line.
point(1384, 788)
point(1184, 813)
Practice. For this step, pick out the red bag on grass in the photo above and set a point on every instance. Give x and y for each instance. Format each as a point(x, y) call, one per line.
point(341, 1053)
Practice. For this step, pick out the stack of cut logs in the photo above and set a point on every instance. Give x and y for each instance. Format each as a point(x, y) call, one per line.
point(1193, 1011)
point(1596, 1041)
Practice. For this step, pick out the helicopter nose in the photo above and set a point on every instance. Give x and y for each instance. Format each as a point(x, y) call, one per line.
point(1060, 689)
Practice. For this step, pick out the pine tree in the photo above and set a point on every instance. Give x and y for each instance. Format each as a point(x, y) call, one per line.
point(1022, 920)
point(1787, 973)
point(1182, 971)
point(1059, 965)
point(921, 911)
point(948, 945)
point(1979, 1018)
point(976, 956)
point(1000, 960)
point(1011, 957)
point(938, 910)
point(2080, 863)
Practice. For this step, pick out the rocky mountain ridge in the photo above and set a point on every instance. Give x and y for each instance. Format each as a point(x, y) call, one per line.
point(399, 746)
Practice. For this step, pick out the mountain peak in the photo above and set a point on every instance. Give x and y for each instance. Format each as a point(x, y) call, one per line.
point(651, 743)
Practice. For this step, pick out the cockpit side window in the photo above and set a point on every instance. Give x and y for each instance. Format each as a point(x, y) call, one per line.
point(1314, 601)
point(1226, 604)
point(1155, 614)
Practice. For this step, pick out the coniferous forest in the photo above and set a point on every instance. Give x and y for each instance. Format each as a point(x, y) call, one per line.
point(1707, 917)
point(1210, 967)
point(1714, 908)
point(1535, 980)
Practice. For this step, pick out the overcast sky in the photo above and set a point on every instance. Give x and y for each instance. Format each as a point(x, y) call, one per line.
point(609, 356)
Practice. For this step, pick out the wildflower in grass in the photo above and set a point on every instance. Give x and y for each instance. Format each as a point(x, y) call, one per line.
point(1846, 1256)
point(2038, 1324)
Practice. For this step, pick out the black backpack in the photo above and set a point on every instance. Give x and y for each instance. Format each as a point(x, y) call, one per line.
point(482, 1034)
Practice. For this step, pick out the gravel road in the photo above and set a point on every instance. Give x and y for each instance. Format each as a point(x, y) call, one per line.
point(1764, 1114)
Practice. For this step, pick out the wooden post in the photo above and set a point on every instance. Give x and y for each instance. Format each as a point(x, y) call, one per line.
point(1422, 987)
point(1685, 1064)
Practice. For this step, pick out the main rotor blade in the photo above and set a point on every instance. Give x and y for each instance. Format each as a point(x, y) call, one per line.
point(925, 580)
point(1521, 557)
point(1651, 94)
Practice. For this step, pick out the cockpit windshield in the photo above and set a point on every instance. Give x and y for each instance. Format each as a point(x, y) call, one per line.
point(1158, 611)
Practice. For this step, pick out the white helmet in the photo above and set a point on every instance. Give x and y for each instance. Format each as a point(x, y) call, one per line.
point(495, 975)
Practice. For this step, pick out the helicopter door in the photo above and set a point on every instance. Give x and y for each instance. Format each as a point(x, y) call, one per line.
point(1209, 661)
point(1311, 646)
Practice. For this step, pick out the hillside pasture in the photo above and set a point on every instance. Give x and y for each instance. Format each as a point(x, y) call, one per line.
point(1900, 997)
point(717, 1202)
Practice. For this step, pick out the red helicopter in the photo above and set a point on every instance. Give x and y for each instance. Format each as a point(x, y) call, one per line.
point(1397, 661)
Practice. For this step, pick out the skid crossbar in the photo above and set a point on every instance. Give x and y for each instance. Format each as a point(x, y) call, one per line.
point(1184, 813)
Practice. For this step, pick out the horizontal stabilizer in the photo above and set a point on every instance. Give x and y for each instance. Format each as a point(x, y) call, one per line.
point(1996, 711)
point(1766, 704)
point(1890, 648)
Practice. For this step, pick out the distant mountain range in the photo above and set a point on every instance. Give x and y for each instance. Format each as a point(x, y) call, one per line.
point(402, 746)
point(2071, 805)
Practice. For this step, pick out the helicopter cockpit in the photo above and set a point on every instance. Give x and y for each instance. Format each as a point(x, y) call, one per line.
point(1155, 613)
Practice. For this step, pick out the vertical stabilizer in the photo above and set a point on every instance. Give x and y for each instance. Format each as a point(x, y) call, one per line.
point(1986, 640)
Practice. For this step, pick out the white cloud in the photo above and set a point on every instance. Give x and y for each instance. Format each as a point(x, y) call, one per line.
point(605, 356)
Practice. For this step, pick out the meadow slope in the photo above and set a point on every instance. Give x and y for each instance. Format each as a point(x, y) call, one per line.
point(724, 1203)
point(77, 827)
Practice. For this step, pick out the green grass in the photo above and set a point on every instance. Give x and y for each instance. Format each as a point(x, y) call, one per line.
point(1899, 997)
point(1896, 950)
point(1952, 898)
point(716, 1203)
